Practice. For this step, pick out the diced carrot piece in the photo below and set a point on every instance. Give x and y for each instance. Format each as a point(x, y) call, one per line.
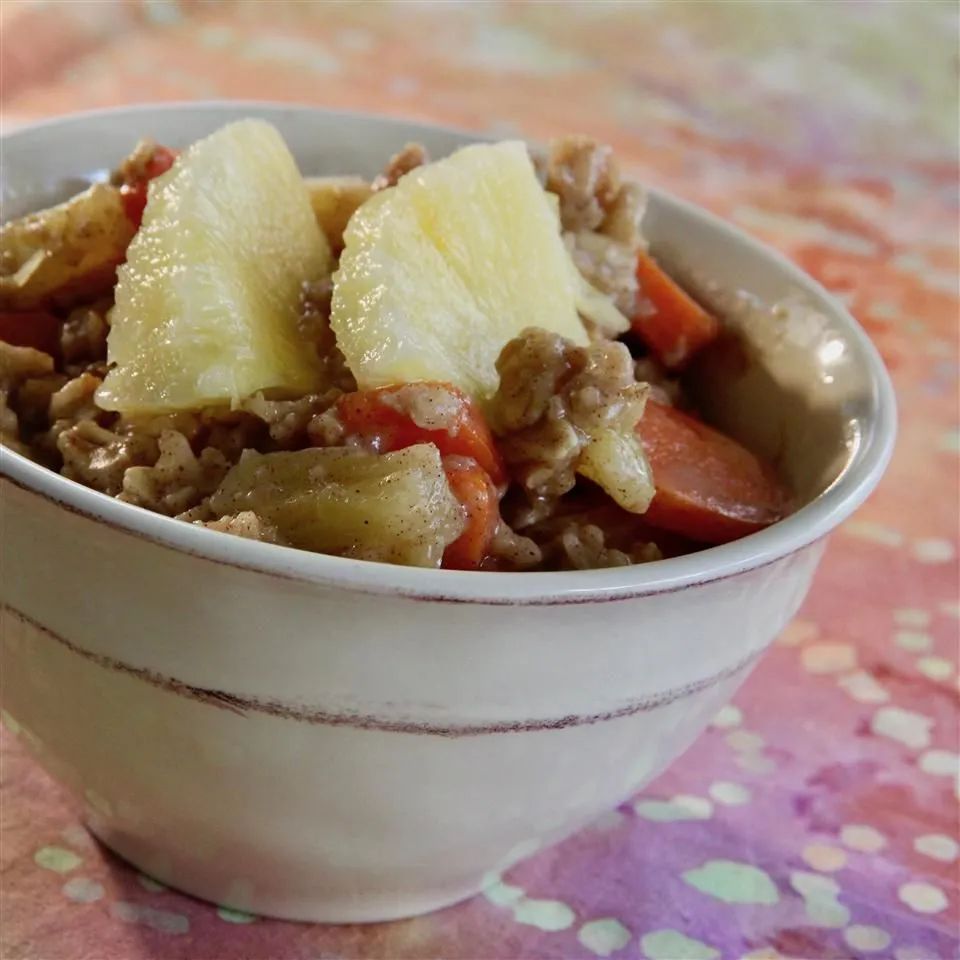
point(161, 161)
point(673, 325)
point(472, 486)
point(709, 487)
point(134, 194)
point(31, 328)
point(379, 416)
point(473, 466)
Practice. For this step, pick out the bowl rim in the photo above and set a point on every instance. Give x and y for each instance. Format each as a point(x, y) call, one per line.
point(810, 523)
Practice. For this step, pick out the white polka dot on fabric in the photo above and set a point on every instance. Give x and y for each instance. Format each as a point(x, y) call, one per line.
point(499, 893)
point(905, 726)
point(823, 857)
point(727, 716)
point(914, 641)
point(798, 632)
point(604, 936)
point(922, 897)
point(163, 921)
point(149, 884)
point(733, 882)
point(862, 838)
point(10, 723)
point(674, 945)
point(863, 688)
point(866, 939)
point(950, 441)
point(235, 916)
point(813, 884)
point(57, 859)
point(729, 794)
point(745, 740)
point(940, 763)
point(550, 915)
point(754, 762)
point(826, 912)
point(933, 550)
point(935, 668)
point(82, 890)
point(700, 807)
point(682, 807)
point(78, 837)
point(911, 617)
point(822, 658)
point(820, 902)
point(938, 846)
point(873, 532)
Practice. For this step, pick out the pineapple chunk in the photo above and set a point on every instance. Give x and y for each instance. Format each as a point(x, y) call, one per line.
point(599, 309)
point(207, 304)
point(593, 306)
point(440, 271)
point(615, 461)
point(334, 200)
point(70, 250)
point(393, 507)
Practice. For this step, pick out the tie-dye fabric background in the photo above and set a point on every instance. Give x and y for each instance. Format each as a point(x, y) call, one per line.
point(817, 818)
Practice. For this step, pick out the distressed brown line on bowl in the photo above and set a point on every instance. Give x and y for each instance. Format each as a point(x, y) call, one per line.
point(241, 705)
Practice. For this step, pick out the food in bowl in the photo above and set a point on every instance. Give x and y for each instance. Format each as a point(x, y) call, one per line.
point(305, 736)
point(473, 363)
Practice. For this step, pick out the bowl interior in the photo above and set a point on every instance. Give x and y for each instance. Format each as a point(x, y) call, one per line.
point(792, 378)
point(801, 385)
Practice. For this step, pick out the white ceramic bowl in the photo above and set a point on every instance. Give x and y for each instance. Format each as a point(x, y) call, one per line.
point(327, 739)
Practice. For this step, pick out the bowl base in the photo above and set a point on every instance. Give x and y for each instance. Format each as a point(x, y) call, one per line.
point(347, 908)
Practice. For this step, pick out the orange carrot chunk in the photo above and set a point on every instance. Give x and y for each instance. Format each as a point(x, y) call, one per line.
point(472, 486)
point(383, 416)
point(134, 194)
point(709, 488)
point(671, 323)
